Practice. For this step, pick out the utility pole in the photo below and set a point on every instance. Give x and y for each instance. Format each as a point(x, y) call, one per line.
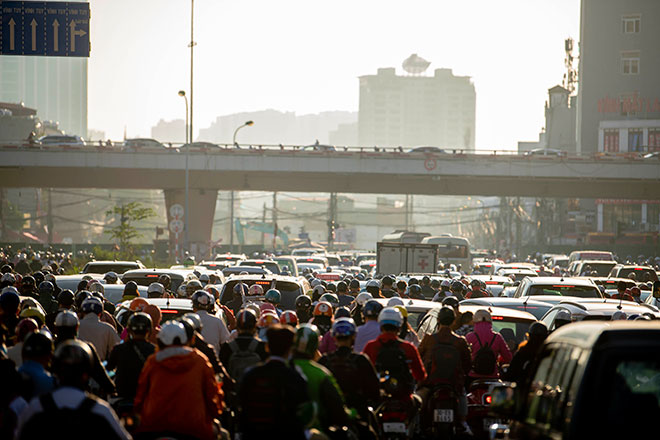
point(407, 217)
point(518, 225)
point(332, 219)
point(274, 220)
point(231, 222)
point(49, 217)
point(263, 233)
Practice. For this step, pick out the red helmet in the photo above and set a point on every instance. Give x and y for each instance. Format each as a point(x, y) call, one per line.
point(267, 319)
point(289, 317)
point(323, 308)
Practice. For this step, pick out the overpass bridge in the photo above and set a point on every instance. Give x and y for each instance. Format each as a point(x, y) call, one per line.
point(351, 170)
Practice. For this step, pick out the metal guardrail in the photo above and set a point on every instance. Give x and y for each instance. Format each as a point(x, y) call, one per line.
point(314, 150)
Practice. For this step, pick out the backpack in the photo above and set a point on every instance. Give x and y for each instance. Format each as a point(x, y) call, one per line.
point(69, 423)
point(445, 364)
point(392, 359)
point(345, 371)
point(241, 360)
point(485, 360)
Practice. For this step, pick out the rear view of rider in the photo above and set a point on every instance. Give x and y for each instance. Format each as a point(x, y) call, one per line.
point(370, 329)
point(487, 347)
point(246, 350)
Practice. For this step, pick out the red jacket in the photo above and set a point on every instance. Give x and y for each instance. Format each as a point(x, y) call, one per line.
point(416, 367)
point(178, 393)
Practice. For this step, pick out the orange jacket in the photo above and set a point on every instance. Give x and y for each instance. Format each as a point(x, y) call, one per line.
point(177, 392)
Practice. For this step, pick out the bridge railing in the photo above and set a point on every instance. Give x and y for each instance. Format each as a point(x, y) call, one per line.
point(316, 150)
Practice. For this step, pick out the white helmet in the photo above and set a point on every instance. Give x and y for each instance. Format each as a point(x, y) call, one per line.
point(315, 282)
point(394, 301)
point(391, 316)
point(195, 319)
point(96, 287)
point(173, 332)
point(156, 287)
point(482, 315)
point(363, 297)
point(445, 283)
point(619, 315)
point(256, 290)
point(373, 283)
point(66, 318)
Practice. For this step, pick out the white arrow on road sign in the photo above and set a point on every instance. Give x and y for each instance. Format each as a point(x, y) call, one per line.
point(33, 25)
point(56, 35)
point(12, 24)
point(74, 34)
point(176, 211)
point(176, 226)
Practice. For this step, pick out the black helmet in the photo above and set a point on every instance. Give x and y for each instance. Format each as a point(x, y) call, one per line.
point(330, 287)
point(192, 287)
point(71, 360)
point(446, 316)
point(37, 344)
point(46, 287)
point(372, 308)
point(387, 281)
point(342, 287)
point(82, 296)
point(303, 302)
point(66, 298)
point(28, 280)
point(246, 320)
point(342, 312)
point(415, 291)
point(413, 281)
point(131, 289)
point(457, 286)
point(538, 329)
point(165, 280)
point(450, 301)
point(354, 284)
point(139, 323)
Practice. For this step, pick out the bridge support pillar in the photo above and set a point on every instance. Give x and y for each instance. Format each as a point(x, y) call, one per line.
point(199, 220)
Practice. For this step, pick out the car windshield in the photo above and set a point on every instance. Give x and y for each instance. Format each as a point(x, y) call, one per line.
point(601, 269)
point(105, 268)
point(452, 251)
point(641, 274)
point(270, 265)
point(564, 290)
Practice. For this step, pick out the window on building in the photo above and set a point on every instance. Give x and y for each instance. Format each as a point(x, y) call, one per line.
point(654, 139)
point(611, 140)
point(635, 139)
point(630, 62)
point(631, 24)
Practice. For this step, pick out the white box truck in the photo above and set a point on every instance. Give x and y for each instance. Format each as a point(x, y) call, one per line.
point(398, 258)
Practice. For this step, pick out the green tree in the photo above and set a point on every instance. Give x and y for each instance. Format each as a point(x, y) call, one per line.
point(125, 231)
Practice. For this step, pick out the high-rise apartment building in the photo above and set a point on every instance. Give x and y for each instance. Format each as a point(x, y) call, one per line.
point(56, 87)
point(619, 76)
point(417, 110)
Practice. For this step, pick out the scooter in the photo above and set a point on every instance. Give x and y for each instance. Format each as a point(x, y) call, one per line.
point(479, 398)
point(395, 417)
point(439, 415)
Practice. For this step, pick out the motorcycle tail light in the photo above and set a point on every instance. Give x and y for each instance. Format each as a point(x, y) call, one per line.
point(488, 399)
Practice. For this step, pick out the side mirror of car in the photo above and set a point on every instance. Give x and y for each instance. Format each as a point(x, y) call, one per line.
point(656, 293)
point(505, 400)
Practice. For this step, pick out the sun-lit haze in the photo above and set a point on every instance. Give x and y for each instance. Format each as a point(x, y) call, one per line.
point(306, 56)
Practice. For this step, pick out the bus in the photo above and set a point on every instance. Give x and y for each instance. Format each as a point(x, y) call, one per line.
point(401, 236)
point(452, 250)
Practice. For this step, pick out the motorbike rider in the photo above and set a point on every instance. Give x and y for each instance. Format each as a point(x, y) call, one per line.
point(386, 287)
point(370, 329)
point(101, 334)
point(246, 350)
point(345, 299)
point(303, 308)
point(356, 311)
point(487, 347)
point(274, 297)
point(373, 287)
point(444, 290)
point(477, 291)
point(528, 351)
point(447, 360)
point(427, 289)
point(46, 292)
point(214, 329)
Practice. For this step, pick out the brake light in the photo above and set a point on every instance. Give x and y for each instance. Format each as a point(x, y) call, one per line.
point(491, 282)
point(563, 286)
point(263, 283)
point(152, 276)
point(638, 268)
point(488, 399)
point(169, 312)
point(498, 318)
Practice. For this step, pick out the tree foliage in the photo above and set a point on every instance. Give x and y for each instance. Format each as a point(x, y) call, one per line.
point(125, 232)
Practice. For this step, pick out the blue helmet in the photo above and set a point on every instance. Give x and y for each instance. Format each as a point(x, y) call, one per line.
point(343, 327)
point(372, 308)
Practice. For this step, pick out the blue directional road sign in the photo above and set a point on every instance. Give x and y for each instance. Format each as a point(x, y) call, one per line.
point(44, 28)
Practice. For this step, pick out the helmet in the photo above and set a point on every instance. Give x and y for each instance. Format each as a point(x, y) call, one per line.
point(318, 291)
point(373, 283)
point(24, 328)
point(446, 315)
point(475, 283)
point(195, 320)
point(155, 288)
point(342, 287)
point(482, 315)
point(92, 305)
point(343, 328)
point(450, 301)
point(28, 280)
point(342, 312)
point(193, 286)
point(255, 308)
point(390, 316)
point(204, 278)
point(323, 308)
point(415, 290)
point(538, 329)
point(619, 315)
point(246, 320)
point(387, 281)
point(8, 278)
point(303, 302)
point(563, 315)
point(306, 340)
point(402, 310)
point(66, 318)
point(9, 300)
point(354, 284)
point(372, 308)
point(289, 317)
point(95, 287)
point(139, 323)
point(131, 289)
point(111, 278)
point(330, 298)
point(165, 280)
point(46, 287)
point(394, 301)
point(267, 319)
point(154, 312)
point(435, 283)
point(37, 344)
point(81, 297)
point(33, 312)
point(138, 304)
point(267, 307)
point(72, 359)
point(172, 333)
point(203, 300)
point(188, 326)
point(273, 296)
point(457, 286)
point(362, 298)
point(254, 290)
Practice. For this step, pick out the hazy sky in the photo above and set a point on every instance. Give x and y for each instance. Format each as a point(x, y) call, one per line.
point(306, 55)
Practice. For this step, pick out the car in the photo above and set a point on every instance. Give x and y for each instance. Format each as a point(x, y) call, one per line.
point(597, 268)
point(364, 256)
point(230, 257)
point(71, 281)
point(427, 150)
point(142, 143)
point(313, 259)
point(545, 152)
point(144, 277)
point(536, 308)
point(517, 274)
point(266, 264)
point(170, 308)
point(201, 146)
point(590, 255)
point(554, 286)
point(304, 252)
point(642, 273)
point(105, 266)
point(319, 147)
point(57, 140)
point(215, 265)
point(557, 260)
point(289, 262)
point(290, 288)
point(597, 310)
point(333, 259)
point(592, 380)
point(114, 292)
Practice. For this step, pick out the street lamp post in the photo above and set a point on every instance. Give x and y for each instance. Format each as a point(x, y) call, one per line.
point(186, 215)
point(231, 209)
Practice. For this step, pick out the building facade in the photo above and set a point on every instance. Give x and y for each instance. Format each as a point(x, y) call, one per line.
point(417, 110)
point(619, 76)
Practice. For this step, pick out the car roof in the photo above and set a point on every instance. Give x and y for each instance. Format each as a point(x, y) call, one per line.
point(165, 303)
point(606, 308)
point(181, 272)
point(419, 305)
point(113, 262)
point(562, 281)
point(588, 333)
point(495, 300)
point(262, 277)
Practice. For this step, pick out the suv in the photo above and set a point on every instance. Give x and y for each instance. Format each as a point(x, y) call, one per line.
point(642, 273)
point(266, 264)
point(597, 311)
point(144, 277)
point(587, 267)
point(592, 380)
point(118, 267)
point(289, 287)
point(582, 288)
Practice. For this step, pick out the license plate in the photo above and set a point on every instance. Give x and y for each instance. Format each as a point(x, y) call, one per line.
point(443, 415)
point(488, 422)
point(394, 427)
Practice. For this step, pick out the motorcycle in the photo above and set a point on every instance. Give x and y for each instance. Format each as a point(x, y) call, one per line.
point(479, 398)
point(439, 415)
point(395, 416)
